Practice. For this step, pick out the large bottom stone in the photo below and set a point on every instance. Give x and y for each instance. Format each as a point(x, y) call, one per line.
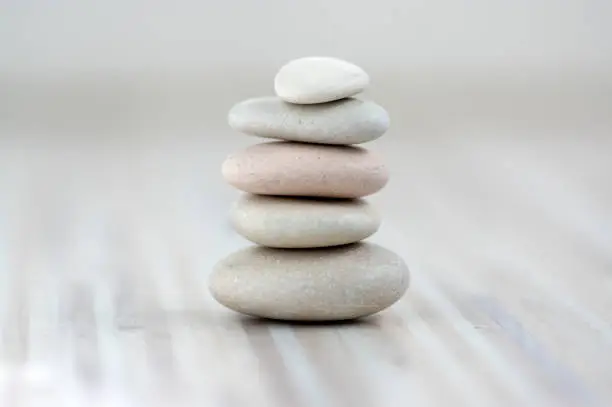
point(329, 284)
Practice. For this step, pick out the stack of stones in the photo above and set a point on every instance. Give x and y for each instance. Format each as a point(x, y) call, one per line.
point(302, 204)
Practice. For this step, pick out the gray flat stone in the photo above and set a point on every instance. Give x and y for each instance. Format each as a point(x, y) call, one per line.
point(343, 122)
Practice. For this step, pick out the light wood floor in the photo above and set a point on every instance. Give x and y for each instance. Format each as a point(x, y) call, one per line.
point(112, 215)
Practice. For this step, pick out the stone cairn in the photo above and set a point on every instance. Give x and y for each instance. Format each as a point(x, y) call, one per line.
point(302, 203)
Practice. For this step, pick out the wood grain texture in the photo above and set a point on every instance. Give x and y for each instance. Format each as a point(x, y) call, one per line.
point(110, 224)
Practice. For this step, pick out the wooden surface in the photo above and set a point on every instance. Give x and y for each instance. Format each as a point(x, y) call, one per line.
point(112, 215)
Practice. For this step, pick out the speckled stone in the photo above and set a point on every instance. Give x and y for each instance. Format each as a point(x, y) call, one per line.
point(299, 169)
point(331, 284)
point(313, 80)
point(343, 122)
point(284, 222)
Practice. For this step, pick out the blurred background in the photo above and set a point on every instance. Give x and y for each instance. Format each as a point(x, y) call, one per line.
point(113, 129)
point(468, 37)
point(423, 56)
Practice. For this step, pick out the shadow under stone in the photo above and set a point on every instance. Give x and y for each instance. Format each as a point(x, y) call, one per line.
point(253, 323)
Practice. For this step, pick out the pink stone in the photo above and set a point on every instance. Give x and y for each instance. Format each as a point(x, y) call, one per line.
point(300, 169)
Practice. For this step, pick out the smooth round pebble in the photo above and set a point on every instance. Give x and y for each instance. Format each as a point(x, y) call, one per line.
point(299, 169)
point(292, 223)
point(313, 80)
point(344, 122)
point(331, 284)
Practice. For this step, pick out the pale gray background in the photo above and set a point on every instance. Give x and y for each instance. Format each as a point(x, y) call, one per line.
point(487, 37)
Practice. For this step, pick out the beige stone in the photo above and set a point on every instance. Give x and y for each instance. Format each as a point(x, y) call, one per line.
point(331, 284)
point(299, 169)
point(284, 222)
point(313, 80)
